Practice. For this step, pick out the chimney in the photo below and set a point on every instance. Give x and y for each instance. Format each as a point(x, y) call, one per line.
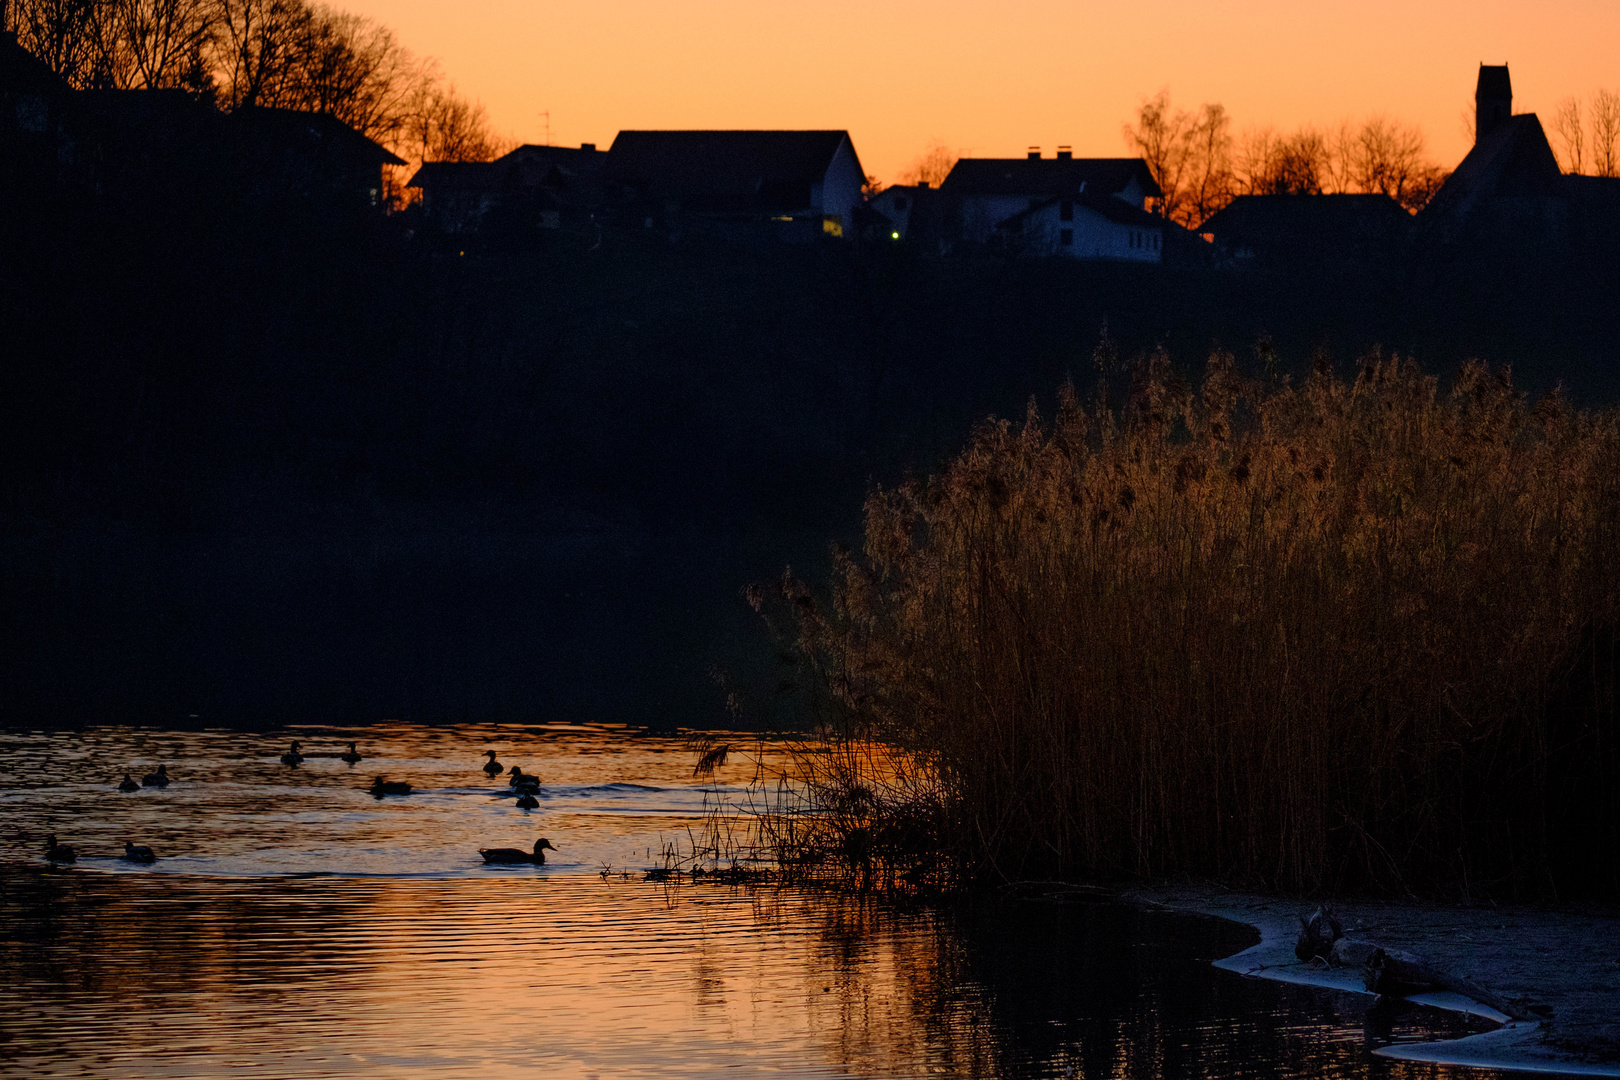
point(1034, 153)
point(588, 146)
point(1493, 100)
point(1065, 153)
point(922, 183)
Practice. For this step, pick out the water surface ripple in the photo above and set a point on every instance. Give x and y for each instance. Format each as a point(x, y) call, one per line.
point(295, 927)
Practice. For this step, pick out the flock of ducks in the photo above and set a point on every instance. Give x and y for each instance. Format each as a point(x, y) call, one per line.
point(525, 785)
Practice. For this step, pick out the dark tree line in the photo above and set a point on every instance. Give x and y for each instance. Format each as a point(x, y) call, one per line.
point(287, 54)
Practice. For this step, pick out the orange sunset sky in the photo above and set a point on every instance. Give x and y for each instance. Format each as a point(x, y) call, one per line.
point(989, 79)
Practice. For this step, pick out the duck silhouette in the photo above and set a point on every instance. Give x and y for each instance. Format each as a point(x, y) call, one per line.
point(352, 757)
point(139, 853)
point(504, 856)
point(58, 853)
point(156, 779)
point(383, 786)
point(522, 781)
point(492, 768)
point(292, 756)
point(129, 784)
point(527, 801)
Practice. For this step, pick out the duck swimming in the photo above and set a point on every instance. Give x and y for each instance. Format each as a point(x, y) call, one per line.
point(492, 768)
point(382, 786)
point(58, 853)
point(156, 779)
point(139, 853)
point(292, 756)
point(511, 855)
point(129, 784)
point(527, 801)
point(352, 756)
point(522, 781)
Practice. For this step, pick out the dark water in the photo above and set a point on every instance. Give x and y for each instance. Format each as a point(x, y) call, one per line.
point(402, 956)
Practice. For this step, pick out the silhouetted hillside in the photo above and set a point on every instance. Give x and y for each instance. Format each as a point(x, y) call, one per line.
point(267, 463)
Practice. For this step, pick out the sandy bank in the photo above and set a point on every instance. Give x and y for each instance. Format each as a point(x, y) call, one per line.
point(1562, 966)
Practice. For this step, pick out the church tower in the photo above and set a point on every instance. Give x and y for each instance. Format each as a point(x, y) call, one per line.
point(1493, 100)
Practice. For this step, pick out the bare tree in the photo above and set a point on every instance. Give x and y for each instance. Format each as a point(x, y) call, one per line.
point(932, 166)
point(1298, 164)
point(66, 34)
point(159, 44)
point(1158, 137)
point(1566, 126)
point(263, 47)
point(1606, 133)
point(1207, 165)
point(441, 126)
point(1385, 157)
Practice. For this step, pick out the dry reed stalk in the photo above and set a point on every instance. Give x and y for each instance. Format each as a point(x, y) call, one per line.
point(1301, 637)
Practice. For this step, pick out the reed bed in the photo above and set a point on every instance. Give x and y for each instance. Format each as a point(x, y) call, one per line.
point(1345, 634)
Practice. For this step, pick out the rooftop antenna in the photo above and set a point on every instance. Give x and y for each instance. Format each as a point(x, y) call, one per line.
point(547, 114)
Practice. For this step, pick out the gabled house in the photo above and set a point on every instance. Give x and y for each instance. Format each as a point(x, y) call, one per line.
point(983, 193)
point(1085, 227)
point(547, 184)
point(1509, 180)
point(1307, 228)
point(40, 124)
point(797, 184)
point(309, 156)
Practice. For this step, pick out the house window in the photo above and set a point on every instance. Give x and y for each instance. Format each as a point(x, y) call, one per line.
point(1065, 210)
point(1066, 237)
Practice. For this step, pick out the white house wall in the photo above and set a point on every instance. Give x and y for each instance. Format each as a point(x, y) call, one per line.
point(1095, 237)
point(840, 190)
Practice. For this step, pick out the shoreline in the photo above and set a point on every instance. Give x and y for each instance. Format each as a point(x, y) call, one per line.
point(1563, 966)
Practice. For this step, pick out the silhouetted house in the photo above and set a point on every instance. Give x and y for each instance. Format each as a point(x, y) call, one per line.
point(312, 157)
point(40, 126)
point(794, 184)
point(533, 186)
point(984, 195)
point(1085, 227)
point(1308, 228)
point(1509, 183)
point(159, 144)
point(908, 212)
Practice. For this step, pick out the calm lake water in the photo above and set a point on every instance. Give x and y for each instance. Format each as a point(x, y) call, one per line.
point(296, 927)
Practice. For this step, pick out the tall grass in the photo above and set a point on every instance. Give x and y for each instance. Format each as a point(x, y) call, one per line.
point(1344, 634)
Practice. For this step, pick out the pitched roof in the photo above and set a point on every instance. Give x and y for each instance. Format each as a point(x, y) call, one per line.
point(311, 130)
point(21, 70)
point(721, 163)
point(1115, 210)
point(459, 175)
point(1514, 160)
point(581, 160)
point(1253, 216)
point(1048, 176)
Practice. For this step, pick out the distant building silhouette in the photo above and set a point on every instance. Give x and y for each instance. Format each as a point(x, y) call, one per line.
point(1084, 208)
point(41, 132)
point(796, 184)
point(545, 187)
point(1278, 229)
point(1509, 182)
point(1493, 100)
point(908, 212)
